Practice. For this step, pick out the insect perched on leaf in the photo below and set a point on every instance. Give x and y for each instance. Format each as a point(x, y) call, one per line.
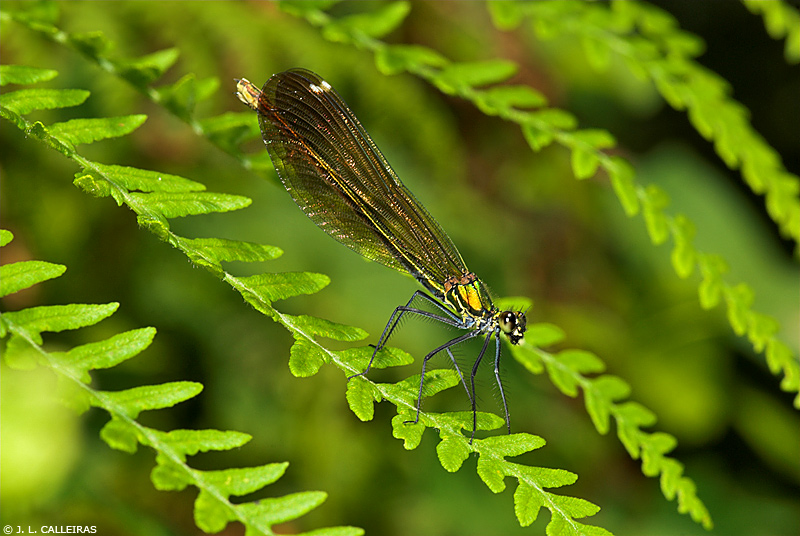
point(336, 174)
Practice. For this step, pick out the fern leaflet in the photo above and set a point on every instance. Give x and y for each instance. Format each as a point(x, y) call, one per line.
point(213, 509)
point(700, 91)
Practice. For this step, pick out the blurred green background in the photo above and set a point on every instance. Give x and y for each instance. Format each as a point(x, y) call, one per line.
point(521, 222)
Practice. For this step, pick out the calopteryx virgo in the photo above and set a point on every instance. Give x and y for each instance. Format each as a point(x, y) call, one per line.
point(336, 174)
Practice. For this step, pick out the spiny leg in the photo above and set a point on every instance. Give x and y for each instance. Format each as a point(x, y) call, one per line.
point(472, 385)
point(398, 313)
point(499, 382)
point(460, 376)
point(445, 346)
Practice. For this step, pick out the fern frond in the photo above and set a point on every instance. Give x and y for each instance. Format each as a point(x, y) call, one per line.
point(604, 397)
point(653, 46)
point(781, 21)
point(84, 131)
point(180, 98)
point(703, 93)
point(161, 197)
point(213, 508)
point(23, 74)
point(21, 275)
point(540, 126)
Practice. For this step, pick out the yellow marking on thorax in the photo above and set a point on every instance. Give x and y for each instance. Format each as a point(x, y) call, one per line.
point(471, 297)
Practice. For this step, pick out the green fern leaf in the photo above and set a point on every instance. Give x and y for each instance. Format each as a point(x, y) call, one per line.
point(409, 432)
point(537, 138)
point(600, 396)
point(563, 379)
point(491, 472)
point(332, 531)
point(131, 402)
point(169, 475)
point(387, 357)
point(242, 481)
point(493, 468)
point(6, 237)
point(544, 334)
point(25, 101)
point(552, 119)
point(273, 511)
point(271, 287)
point(527, 503)
point(19, 353)
point(325, 328)
point(654, 201)
point(436, 381)
point(653, 451)
point(91, 44)
point(305, 358)
point(120, 435)
point(597, 52)
point(38, 131)
point(376, 23)
point(505, 14)
point(22, 74)
point(211, 514)
point(452, 452)
point(180, 204)
point(190, 442)
point(230, 129)
point(21, 275)
point(739, 300)
point(584, 162)
point(683, 254)
point(55, 318)
point(307, 8)
point(361, 396)
point(781, 20)
point(498, 100)
point(513, 444)
point(39, 13)
point(259, 161)
point(546, 477)
point(576, 508)
point(218, 250)
point(566, 526)
point(82, 131)
point(145, 180)
point(458, 78)
point(395, 59)
point(213, 509)
point(564, 370)
point(105, 354)
point(182, 96)
point(147, 69)
point(632, 416)
point(622, 179)
point(712, 267)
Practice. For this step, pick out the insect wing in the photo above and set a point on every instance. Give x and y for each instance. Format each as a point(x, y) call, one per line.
point(340, 179)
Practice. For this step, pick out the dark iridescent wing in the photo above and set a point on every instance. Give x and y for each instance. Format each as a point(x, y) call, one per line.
point(340, 179)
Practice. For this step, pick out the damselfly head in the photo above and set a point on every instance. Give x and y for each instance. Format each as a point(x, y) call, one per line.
point(247, 92)
point(513, 324)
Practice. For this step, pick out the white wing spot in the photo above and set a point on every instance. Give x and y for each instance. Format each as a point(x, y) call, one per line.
point(323, 87)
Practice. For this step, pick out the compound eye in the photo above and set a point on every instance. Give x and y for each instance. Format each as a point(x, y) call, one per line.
point(508, 322)
point(513, 324)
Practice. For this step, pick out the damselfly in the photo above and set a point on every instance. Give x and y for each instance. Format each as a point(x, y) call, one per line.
point(336, 174)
